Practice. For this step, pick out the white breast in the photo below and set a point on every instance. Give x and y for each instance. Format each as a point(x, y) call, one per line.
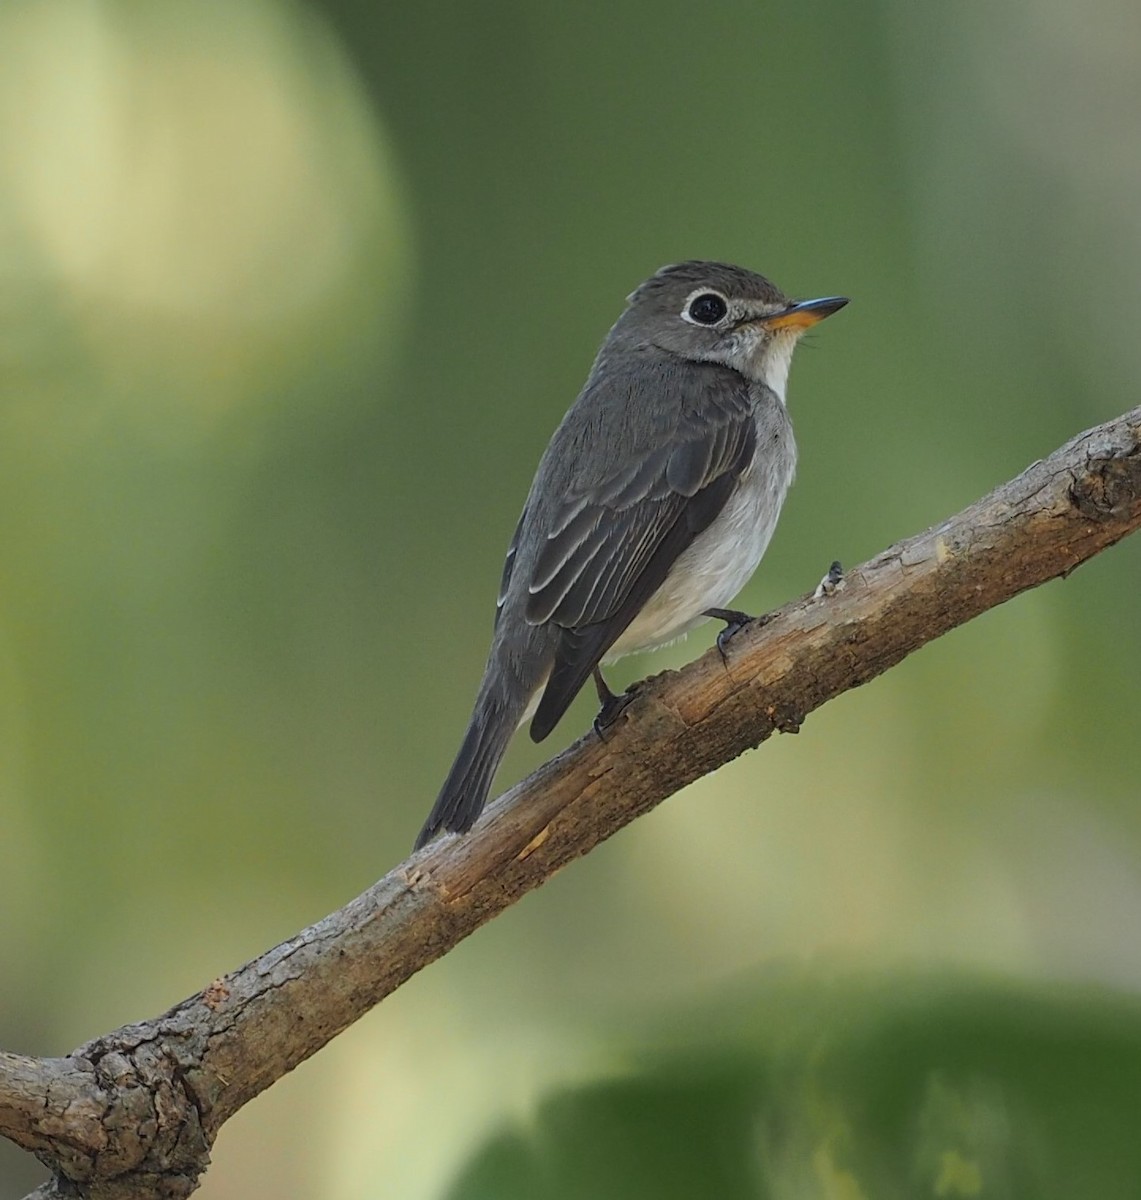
point(721, 559)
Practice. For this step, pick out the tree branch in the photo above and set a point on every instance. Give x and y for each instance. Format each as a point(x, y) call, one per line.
point(134, 1113)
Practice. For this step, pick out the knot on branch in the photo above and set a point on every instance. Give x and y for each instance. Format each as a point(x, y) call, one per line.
point(784, 718)
point(151, 1139)
point(1109, 487)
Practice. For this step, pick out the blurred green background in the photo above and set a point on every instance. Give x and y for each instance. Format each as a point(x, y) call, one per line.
point(291, 298)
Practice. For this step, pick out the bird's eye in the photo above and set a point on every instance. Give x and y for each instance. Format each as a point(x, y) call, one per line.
point(707, 309)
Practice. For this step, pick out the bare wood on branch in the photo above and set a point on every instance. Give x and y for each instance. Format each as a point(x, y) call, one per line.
point(134, 1113)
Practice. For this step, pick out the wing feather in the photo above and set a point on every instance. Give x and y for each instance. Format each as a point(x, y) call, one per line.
point(600, 566)
point(509, 565)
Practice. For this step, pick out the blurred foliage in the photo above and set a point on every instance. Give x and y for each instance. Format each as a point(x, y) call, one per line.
point(291, 297)
point(841, 1087)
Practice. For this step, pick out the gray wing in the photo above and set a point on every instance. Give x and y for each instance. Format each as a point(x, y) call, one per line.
point(612, 542)
point(509, 566)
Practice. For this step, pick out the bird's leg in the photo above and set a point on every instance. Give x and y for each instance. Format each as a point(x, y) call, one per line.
point(610, 703)
point(735, 621)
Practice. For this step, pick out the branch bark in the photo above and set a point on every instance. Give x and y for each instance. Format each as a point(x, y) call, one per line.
point(134, 1113)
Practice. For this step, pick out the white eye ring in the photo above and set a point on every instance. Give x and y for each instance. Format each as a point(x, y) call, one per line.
point(709, 314)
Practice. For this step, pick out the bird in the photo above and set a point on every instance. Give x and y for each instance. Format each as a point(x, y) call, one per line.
point(651, 507)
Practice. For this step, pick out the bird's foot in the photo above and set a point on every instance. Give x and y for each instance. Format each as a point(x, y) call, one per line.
point(735, 621)
point(832, 583)
point(610, 712)
point(610, 703)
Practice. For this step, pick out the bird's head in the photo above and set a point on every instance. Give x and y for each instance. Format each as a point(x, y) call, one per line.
point(714, 312)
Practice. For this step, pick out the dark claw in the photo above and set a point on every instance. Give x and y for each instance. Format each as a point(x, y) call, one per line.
point(611, 704)
point(735, 621)
point(609, 713)
point(726, 636)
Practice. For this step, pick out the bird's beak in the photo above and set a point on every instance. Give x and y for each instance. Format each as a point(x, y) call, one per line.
point(804, 313)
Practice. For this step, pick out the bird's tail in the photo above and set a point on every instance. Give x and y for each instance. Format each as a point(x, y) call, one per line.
point(498, 710)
